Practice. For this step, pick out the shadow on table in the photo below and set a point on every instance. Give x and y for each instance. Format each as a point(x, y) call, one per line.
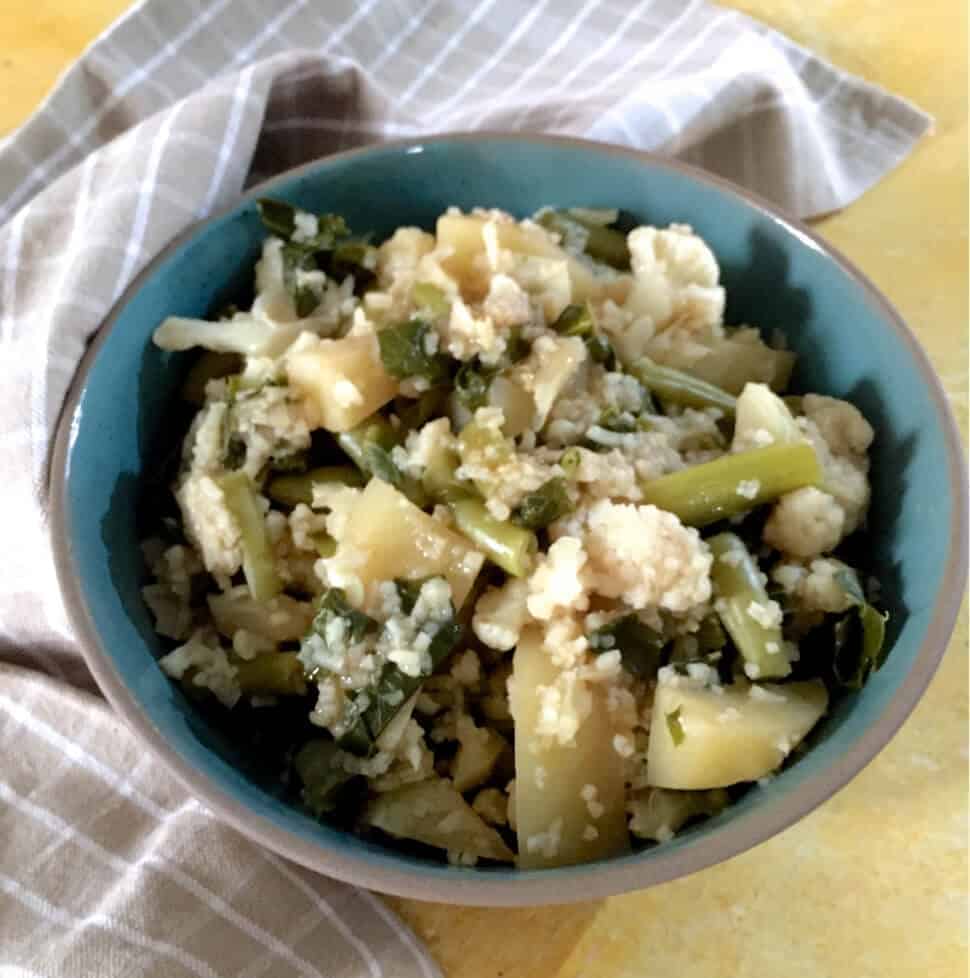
point(496, 942)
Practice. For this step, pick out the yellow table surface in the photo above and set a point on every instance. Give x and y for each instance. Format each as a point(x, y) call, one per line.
point(874, 883)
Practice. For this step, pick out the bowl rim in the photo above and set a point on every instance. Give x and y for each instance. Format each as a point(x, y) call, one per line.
point(600, 879)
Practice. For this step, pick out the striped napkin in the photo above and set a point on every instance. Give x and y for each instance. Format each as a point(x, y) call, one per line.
point(107, 867)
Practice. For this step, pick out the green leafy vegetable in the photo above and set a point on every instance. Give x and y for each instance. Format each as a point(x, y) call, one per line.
point(334, 605)
point(409, 349)
point(676, 727)
point(601, 351)
point(569, 461)
point(517, 347)
point(544, 506)
point(279, 218)
point(305, 300)
point(471, 385)
point(640, 646)
point(859, 636)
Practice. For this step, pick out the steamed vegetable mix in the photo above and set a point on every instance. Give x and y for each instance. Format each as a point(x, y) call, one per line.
point(500, 541)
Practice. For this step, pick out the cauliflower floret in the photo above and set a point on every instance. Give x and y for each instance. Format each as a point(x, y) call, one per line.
point(805, 523)
point(271, 423)
point(846, 477)
point(840, 423)
point(675, 281)
point(209, 524)
point(556, 584)
point(506, 304)
point(339, 501)
point(213, 670)
point(814, 588)
point(501, 613)
point(646, 557)
point(468, 336)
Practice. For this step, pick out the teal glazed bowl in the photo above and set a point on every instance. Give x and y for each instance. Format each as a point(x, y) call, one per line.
point(850, 341)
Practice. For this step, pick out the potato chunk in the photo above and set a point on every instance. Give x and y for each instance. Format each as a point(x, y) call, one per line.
point(281, 619)
point(343, 380)
point(704, 738)
point(388, 537)
point(569, 800)
point(433, 812)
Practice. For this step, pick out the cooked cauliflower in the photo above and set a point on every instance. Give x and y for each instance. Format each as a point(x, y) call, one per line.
point(501, 613)
point(556, 585)
point(815, 587)
point(805, 523)
point(209, 524)
point(646, 557)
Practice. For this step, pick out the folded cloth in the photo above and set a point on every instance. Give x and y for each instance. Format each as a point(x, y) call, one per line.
point(106, 866)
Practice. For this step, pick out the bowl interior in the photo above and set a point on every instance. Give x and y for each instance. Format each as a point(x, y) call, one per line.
point(776, 278)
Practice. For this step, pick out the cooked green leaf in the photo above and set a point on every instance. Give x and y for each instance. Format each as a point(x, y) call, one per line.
point(409, 349)
point(471, 385)
point(640, 646)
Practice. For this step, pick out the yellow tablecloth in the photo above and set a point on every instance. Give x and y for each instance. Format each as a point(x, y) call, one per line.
point(873, 884)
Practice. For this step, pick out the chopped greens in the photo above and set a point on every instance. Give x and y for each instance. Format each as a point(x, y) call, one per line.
point(409, 349)
point(640, 646)
point(315, 765)
point(334, 605)
point(471, 385)
point(544, 506)
point(858, 636)
point(429, 298)
point(575, 321)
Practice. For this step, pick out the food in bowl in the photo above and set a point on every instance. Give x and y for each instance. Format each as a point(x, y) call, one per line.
point(532, 551)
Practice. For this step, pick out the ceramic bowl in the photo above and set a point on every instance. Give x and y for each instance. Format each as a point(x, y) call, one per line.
point(778, 275)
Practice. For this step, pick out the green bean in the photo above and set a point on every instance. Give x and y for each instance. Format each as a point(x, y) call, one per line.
point(373, 430)
point(706, 493)
point(259, 563)
point(737, 586)
point(369, 447)
point(439, 479)
point(272, 673)
point(680, 388)
point(510, 546)
point(544, 506)
point(601, 243)
point(291, 490)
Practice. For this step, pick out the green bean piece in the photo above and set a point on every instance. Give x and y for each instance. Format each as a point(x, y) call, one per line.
point(679, 387)
point(209, 366)
point(272, 674)
point(737, 586)
point(602, 244)
point(369, 447)
point(375, 430)
point(439, 479)
point(259, 562)
point(544, 506)
point(509, 546)
point(291, 490)
point(706, 493)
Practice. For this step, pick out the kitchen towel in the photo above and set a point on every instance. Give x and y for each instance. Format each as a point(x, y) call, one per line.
point(107, 867)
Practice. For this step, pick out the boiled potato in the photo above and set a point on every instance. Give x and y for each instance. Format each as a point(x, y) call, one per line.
point(463, 234)
point(550, 779)
point(434, 812)
point(388, 537)
point(281, 619)
point(479, 749)
point(343, 380)
point(741, 733)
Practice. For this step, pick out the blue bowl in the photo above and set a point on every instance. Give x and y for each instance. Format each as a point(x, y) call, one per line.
point(850, 341)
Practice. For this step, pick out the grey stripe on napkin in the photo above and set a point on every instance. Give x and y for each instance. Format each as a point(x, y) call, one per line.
point(106, 867)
